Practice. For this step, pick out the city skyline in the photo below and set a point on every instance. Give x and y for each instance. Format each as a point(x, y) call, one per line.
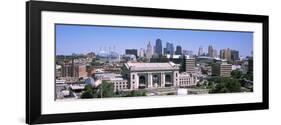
point(83, 39)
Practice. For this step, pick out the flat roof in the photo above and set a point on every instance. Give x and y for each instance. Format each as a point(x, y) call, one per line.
point(151, 66)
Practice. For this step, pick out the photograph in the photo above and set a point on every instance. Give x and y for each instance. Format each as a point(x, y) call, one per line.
point(100, 62)
point(103, 61)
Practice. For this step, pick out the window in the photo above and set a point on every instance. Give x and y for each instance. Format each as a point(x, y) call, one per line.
point(133, 76)
point(142, 80)
point(168, 78)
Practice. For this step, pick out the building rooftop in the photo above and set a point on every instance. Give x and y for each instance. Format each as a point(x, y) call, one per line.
point(151, 66)
point(109, 76)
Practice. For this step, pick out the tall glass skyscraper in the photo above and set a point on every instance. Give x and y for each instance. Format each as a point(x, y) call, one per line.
point(158, 47)
point(178, 50)
point(169, 48)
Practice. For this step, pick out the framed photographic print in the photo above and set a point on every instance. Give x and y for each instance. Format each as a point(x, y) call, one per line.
point(95, 62)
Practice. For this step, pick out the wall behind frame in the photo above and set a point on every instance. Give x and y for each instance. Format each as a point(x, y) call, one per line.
point(12, 62)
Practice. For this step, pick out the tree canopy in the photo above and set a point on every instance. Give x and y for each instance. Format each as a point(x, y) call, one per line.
point(236, 74)
point(226, 85)
point(106, 89)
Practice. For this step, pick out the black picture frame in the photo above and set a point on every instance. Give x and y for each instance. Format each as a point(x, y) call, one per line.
point(33, 61)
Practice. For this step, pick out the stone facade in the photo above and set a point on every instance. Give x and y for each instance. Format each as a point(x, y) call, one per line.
point(151, 75)
point(187, 79)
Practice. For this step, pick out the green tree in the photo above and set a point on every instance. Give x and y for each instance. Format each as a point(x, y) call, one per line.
point(87, 95)
point(88, 92)
point(205, 83)
point(233, 85)
point(248, 76)
point(135, 93)
point(236, 74)
point(226, 85)
point(106, 89)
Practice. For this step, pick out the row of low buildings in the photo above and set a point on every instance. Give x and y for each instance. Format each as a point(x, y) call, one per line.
point(72, 68)
point(71, 71)
point(148, 75)
point(222, 68)
point(136, 75)
point(216, 69)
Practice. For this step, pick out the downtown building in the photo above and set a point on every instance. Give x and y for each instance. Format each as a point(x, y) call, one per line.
point(150, 75)
point(200, 51)
point(119, 83)
point(169, 49)
point(158, 47)
point(189, 64)
point(136, 76)
point(178, 50)
point(222, 69)
point(210, 51)
point(71, 69)
point(229, 55)
point(149, 51)
point(74, 70)
point(187, 79)
point(234, 55)
point(213, 53)
point(226, 54)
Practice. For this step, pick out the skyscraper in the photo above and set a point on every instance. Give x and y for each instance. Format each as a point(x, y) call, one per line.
point(169, 48)
point(228, 54)
point(178, 50)
point(165, 51)
point(234, 55)
point(222, 53)
point(215, 53)
point(200, 51)
point(149, 51)
point(225, 54)
point(210, 51)
point(158, 47)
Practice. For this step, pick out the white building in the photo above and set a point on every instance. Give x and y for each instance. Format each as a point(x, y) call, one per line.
point(151, 75)
point(235, 67)
point(119, 83)
point(149, 51)
point(187, 79)
point(173, 56)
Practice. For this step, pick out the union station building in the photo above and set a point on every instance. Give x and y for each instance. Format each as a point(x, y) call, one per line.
point(155, 75)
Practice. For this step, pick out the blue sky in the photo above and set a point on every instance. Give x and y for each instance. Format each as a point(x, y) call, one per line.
point(83, 39)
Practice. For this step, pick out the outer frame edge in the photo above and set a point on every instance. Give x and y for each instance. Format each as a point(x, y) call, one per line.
point(36, 117)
